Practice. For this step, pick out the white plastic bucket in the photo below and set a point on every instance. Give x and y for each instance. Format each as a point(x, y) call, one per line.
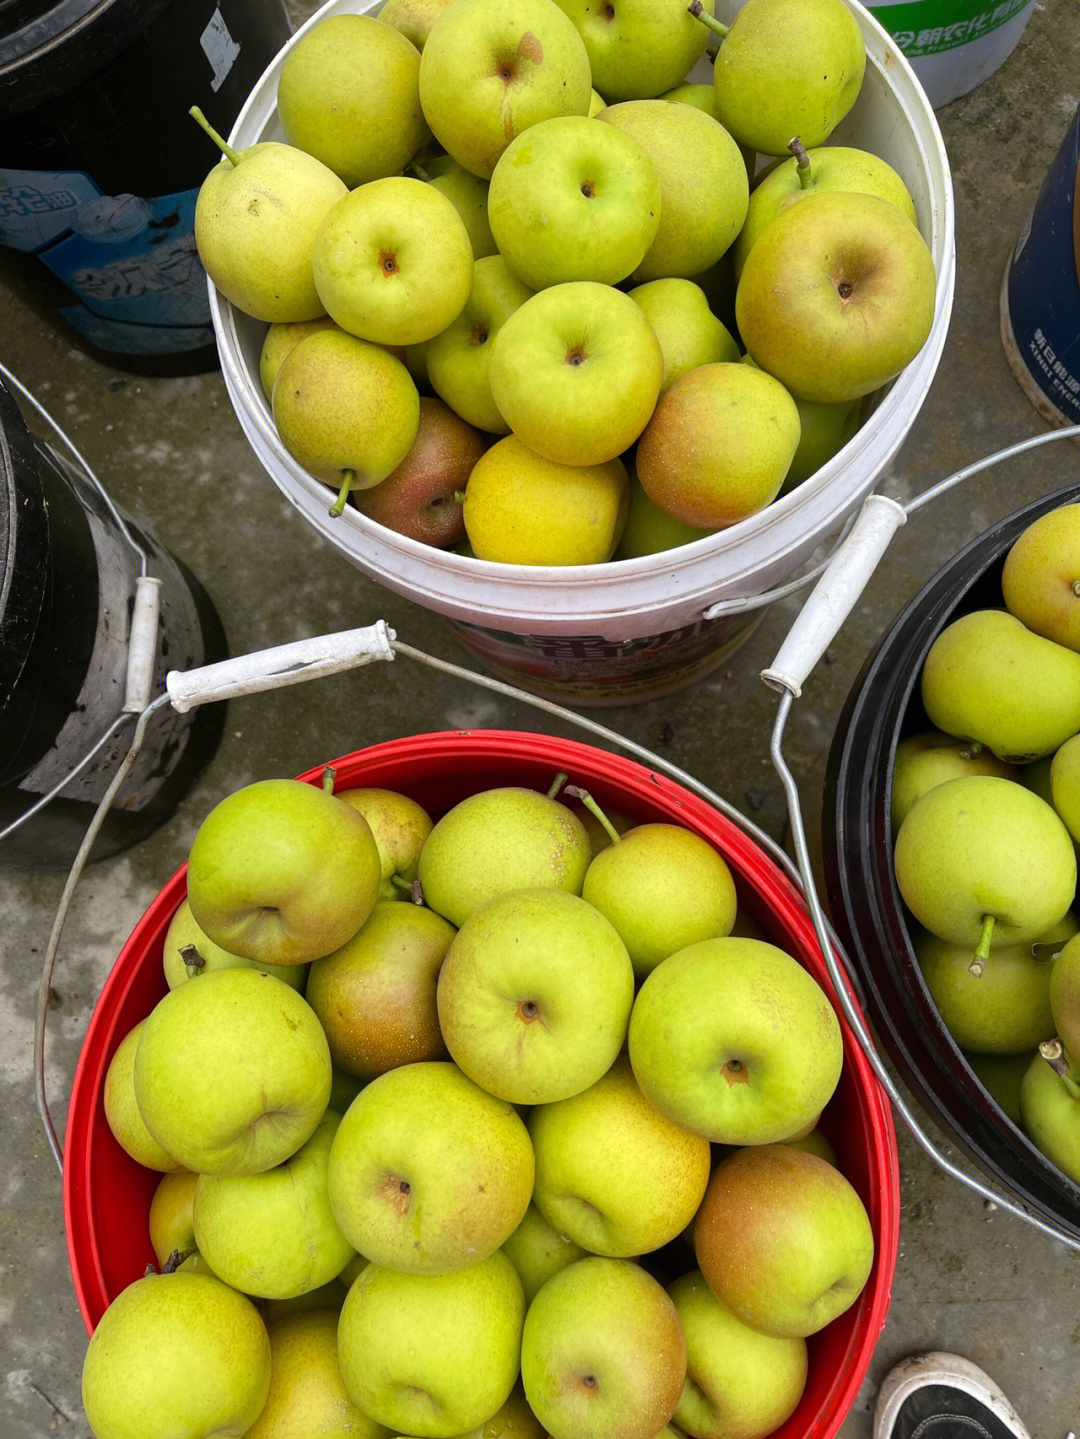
point(953, 45)
point(629, 630)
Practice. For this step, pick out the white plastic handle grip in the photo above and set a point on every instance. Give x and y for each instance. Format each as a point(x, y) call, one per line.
point(283, 665)
point(833, 597)
point(142, 644)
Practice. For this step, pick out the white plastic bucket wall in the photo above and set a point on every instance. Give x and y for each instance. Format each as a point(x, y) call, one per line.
point(953, 45)
point(612, 631)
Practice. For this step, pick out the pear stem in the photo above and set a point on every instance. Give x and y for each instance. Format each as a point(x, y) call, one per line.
point(329, 775)
point(417, 892)
point(459, 497)
point(175, 1259)
point(972, 749)
point(338, 507)
point(982, 949)
point(193, 960)
point(1053, 1052)
point(400, 882)
point(594, 809)
point(699, 12)
point(557, 784)
point(802, 162)
point(418, 170)
point(233, 156)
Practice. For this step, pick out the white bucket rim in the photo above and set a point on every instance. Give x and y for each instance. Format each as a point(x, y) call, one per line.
point(354, 535)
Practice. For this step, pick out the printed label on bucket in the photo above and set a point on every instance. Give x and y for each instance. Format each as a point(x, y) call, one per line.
point(130, 263)
point(590, 670)
point(1041, 295)
point(928, 27)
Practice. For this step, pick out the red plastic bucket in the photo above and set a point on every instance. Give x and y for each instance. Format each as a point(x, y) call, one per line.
point(107, 1195)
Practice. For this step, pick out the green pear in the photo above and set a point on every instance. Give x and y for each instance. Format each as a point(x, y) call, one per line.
point(349, 94)
point(689, 333)
point(783, 1240)
point(663, 887)
point(930, 758)
point(754, 1069)
point(1065, 997)
point(719, 445)
point(1041, 577)
point(375, 996)
point(326, 1297)
point(282, 872)
point(537, 1251)
point(138, 1377)
point(987, 678)
point(436, 1355)
point(429, 1173)
point(1004, 1010)
point(172, 1228)
point(642, 48)
point(1001, 1076)
point(414, 18)
point(534, 995)
point(232, 1072)
point(498, 840)
point(832, 167)
point(256, 218)
point(788, 67)
point(346, 410)
point(740, 1384)
point(597, 1155)
point(307, 1393)
point(603, 1352)
point(280, 340)
point(392, 261)
point(649, 529)
point(984, 863)
point(469, 196)
point(488, 72)
point(399, 826)
point(273, 1234)
point(458, 359)
point(188, 951)
point(1050, 1109)
point(122, 1111)
point(704, 191)
point(814, 1143)
point(837, 296)
point(823, 431)
point(571, 200)
point(1065, 784)
point(576, 372)
point(522, 509)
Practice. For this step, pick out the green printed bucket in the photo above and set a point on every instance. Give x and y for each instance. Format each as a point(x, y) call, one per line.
point(953, 44)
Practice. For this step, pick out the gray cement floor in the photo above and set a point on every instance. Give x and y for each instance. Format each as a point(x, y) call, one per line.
point(171, 453)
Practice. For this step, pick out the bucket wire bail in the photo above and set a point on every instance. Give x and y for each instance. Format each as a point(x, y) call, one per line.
point(832, 599)
point(817, 624)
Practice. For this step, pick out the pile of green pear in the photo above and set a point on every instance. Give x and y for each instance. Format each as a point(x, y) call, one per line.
point(435, 1108)
point(986, 814)
point(530, 294)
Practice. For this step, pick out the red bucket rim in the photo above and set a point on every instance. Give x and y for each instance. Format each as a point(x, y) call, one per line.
point(417, 758)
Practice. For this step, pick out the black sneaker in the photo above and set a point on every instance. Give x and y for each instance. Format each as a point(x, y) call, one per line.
point(942, 1396)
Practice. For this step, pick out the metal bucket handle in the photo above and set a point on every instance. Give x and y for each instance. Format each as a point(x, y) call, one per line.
point(815, 627)
point(832, 599)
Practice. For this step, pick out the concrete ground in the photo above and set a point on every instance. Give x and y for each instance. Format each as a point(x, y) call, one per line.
point(171, 453)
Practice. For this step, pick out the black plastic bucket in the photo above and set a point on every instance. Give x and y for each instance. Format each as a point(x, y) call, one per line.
point(884, 705)
point(67, 585)
point(100, 162)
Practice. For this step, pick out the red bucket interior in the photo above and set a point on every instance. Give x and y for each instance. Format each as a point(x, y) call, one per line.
point(107, 1195)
